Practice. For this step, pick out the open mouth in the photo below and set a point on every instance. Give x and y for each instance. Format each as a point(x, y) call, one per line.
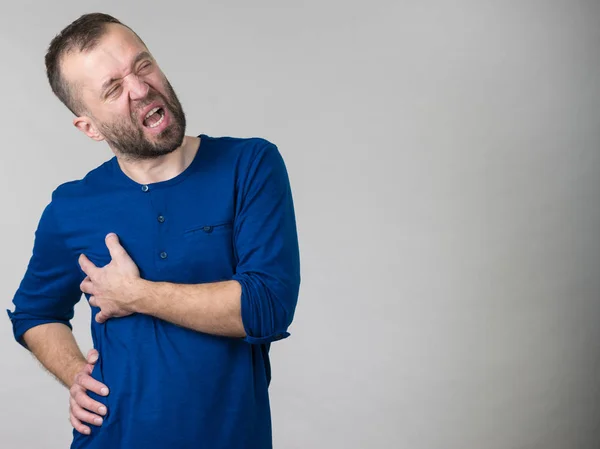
point(154, 117)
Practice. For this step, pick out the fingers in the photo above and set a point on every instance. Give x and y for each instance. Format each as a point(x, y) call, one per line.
point(114, 247)
point(85, 380)
point(87, 286)
point(85, 416)
point(77, 425)
point(101, 317)
point(83, 409)
point(81, 400)
point(105, 314)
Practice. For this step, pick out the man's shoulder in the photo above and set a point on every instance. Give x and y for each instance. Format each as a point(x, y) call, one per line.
point(238, 140)
point(79, 188)
point(246, 145)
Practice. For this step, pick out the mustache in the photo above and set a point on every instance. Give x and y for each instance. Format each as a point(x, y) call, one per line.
point(149, 100)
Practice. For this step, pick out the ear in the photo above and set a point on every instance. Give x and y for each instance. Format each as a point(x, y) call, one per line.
point(86, 126)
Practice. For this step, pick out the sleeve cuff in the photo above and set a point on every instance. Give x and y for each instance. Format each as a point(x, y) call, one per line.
point(22, 324)
point(268, 339)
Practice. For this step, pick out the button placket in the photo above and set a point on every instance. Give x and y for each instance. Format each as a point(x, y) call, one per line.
point(161, 219)
point(159, 210)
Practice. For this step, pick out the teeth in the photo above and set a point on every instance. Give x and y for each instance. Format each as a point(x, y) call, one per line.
point(162, 117)
point(151, 112)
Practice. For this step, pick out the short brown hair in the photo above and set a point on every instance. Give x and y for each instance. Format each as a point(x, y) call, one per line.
point(81, 35)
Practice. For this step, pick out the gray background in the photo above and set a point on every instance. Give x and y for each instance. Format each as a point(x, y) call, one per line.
point(445, 164)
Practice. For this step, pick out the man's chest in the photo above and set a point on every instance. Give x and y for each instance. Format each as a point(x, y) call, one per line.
point(176, 235)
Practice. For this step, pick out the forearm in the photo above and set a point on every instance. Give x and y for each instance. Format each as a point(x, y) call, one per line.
point(54, 345)
point(213, 308)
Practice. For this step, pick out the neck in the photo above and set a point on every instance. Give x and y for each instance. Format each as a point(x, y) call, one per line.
point(162, 168)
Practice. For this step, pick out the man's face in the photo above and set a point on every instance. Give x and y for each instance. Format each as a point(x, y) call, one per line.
point(128, 100)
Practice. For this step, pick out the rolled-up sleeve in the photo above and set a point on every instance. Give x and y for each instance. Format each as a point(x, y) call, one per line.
point(49, 289)
point(266, 245)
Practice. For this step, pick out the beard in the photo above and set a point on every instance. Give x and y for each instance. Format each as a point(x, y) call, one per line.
point(128, 138)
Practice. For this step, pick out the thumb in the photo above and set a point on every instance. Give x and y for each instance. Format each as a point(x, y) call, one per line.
point(92, 356)
point(86, 265)
point(114, 247)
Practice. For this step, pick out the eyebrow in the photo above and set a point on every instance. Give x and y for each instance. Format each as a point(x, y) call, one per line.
point(137, 59)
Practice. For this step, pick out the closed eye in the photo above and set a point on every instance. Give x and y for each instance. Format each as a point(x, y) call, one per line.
point(113, 91)
point(145, 66)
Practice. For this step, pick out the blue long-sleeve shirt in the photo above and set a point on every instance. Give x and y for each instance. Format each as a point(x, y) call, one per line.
point(228, 215)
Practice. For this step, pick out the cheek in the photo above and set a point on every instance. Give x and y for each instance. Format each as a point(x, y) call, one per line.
point(116, 111)
point(119, 124)
point(158, 82)
point(121, 114)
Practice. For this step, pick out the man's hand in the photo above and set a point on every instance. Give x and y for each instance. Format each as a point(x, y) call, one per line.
point(113, 287)
point(81, 405)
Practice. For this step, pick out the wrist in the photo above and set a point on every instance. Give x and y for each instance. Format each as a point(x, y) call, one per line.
point(139, 295)
point(78, 366)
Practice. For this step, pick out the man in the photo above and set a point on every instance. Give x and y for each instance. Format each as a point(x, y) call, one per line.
point(185, 247)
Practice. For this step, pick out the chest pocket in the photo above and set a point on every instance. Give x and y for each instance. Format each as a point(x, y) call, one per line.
point(209, 251)
point(208, 229)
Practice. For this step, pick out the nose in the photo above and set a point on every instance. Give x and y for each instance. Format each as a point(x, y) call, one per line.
point(138, 88)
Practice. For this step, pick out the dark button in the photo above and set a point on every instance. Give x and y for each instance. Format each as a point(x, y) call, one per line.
point(161, 219)
point(207, 228)
point(144, 188)
point(163, 255)
point(277, 336)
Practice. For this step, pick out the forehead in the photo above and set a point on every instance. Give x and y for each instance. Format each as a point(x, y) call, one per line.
point(111, 58)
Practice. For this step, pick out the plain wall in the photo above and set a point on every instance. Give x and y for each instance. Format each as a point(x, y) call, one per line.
point(445, 164)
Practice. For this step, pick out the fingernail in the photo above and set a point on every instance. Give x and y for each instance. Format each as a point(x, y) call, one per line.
point(98, 421)
point(104, 391)
point(86, 431)
point(102, 410)
point(94, 358)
